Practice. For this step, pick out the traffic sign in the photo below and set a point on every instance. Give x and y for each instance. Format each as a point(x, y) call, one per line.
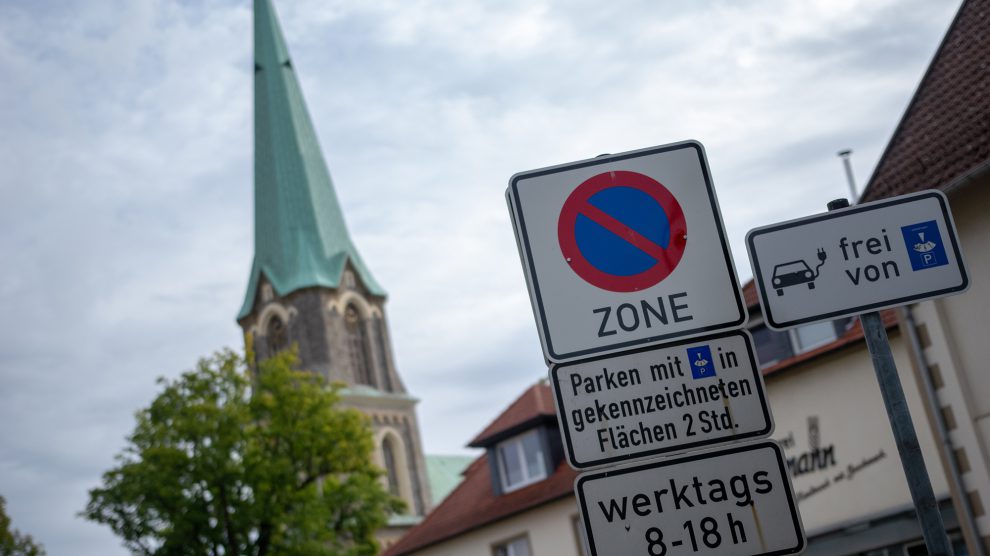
point(731, 502)
point(659, 400)
point(858, 259)
point(624, 250)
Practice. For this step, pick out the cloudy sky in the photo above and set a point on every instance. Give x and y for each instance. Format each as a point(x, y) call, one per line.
point(125, 188)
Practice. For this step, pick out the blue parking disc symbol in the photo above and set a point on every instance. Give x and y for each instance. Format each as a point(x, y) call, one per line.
point(924, 245)
point(701, 362)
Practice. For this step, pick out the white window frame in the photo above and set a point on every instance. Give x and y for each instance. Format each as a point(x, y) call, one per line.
point(511, 547)
point(796, 344)
point(521, 452)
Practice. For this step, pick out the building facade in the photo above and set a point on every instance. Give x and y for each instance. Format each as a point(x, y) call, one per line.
point(517, 499)
point(309, 286)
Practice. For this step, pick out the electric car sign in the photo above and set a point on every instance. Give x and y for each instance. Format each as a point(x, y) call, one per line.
point(862, 258)
point(624, 251)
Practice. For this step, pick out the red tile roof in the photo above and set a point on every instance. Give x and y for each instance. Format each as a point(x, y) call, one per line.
point(750, 295)
point(853, 335)
point(533, 405)
point(473, 504)
point(945, 132)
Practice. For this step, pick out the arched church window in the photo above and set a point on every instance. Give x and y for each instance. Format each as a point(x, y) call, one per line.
point(383, 354)
point(357, 346)
point(277, 335)
point(391, 470)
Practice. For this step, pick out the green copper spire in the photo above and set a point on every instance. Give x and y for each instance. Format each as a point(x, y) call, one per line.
point(300, 239)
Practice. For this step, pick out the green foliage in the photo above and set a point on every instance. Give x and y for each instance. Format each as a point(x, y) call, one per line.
point(12, 542)
point(235, 461)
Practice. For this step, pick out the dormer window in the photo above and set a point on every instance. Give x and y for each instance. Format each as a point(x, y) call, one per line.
point(521, 461)
point(515, 547)
point(772, 347)
point(811, 336)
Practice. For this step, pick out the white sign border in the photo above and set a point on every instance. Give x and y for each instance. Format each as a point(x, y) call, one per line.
point(757, 376)
point(529, 266)
point(854, 311)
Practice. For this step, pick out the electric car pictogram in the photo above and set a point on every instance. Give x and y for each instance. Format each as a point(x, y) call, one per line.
point(797, 272)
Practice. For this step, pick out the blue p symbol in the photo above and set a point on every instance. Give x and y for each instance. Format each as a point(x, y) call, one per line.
point(701, 361)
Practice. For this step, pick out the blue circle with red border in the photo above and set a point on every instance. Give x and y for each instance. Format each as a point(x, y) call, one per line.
point(622, 231)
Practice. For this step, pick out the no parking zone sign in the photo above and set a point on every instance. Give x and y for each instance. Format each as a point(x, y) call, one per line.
point(624, 250)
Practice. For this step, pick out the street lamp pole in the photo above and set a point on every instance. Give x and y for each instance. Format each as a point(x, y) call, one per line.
point(844, 155)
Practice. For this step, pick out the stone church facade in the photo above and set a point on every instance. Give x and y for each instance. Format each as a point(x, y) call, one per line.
point(309, 286)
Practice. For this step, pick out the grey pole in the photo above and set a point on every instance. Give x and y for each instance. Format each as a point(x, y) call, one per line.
point(920, 485)
point(844, 155)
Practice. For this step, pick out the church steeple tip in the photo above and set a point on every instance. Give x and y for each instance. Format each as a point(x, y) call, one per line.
point(269, 44)
point(300, 238)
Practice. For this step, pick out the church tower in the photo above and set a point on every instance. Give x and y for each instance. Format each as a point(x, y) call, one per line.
point(309, 285)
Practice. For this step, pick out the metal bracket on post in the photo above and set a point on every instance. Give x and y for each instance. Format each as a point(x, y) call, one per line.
point(919, 483)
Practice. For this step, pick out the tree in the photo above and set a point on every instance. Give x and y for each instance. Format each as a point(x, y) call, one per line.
point(240, 461)
point(12, 542)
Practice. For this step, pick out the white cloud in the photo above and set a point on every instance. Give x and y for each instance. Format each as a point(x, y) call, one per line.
point(125, 200)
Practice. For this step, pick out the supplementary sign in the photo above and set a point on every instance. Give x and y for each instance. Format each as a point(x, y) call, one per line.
point(732, 502)
point(624, 250)
point(858, 259)
point(661, 399)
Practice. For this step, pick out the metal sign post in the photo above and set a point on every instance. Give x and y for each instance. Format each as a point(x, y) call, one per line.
point(863, 259)
point(919, 483)
point(633, 289)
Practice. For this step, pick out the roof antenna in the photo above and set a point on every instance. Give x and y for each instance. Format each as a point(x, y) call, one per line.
point(844, 155)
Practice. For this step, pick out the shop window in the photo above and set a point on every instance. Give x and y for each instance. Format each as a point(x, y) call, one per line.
point(516, 547)
point(521, 461)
